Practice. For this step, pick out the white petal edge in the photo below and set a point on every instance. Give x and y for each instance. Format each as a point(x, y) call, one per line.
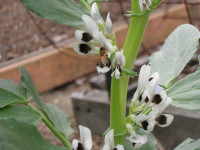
point(109, 140)
point(75, 144)
point(109, 26)
point(103, 70)
point(85, 137)
point(169, 118)
point(90, 24)
point(96, 14)
point(143, 78)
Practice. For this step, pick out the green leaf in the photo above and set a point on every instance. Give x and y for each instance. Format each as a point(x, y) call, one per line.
point(21, 113)
point(186, 92)
point(7, 146)
point(22, 136)
point(150, 145)
point(59, 119)
point(176, 52)
point(12, 93)
point(56, 116)
point(189, 144)
point(65, 12)
point(129, 72)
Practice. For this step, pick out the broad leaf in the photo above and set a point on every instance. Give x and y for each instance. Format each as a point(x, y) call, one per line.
point(61, 11)
point(176, 52)
point(150, 145)
point(21, 113)
point(189, 144)
point(56, 116)
point(186, 92)
point(59, 119)
point(12, 93)
point(22, 136)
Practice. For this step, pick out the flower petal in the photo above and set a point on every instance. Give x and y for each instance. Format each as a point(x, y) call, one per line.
point(76, 145)
point(109, 26)
point(119, 59)
point(144, 76)
point(152, 83)
point(85, 137)
point(104, 42)
point(83, 36)
point(96, 14)
point(90, 24)
point(141, 117)
point(165, 120)
point(85, 48)
point(119, 147)
point(109, 140)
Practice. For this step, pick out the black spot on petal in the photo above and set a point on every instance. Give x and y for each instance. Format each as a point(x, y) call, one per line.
point(145, 125)
point(140, 98)
point(80, 146)
point(157, 99)
point(115, 148)
point(146, 100)
point(162, 120)
point(133, 144)
point(84, 48)
point(150, 79)
point(86, 37)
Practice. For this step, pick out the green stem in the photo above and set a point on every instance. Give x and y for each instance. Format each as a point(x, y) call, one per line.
point(85, 5)
point(119, 87)
point(52, 128)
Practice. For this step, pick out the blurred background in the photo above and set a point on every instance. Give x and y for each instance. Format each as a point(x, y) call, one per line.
point(70, 81)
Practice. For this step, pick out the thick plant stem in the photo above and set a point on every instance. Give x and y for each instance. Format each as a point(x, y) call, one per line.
point(119, 87)
point(52, 128)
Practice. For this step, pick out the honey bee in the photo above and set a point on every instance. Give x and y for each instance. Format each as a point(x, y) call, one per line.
point(103, 63)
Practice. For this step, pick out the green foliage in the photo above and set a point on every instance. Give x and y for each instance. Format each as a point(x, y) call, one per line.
point(189, 144)
point(59, 119)
point(176, 52)
point(150, 145)
point(65, 12)
point(21, 113)
point(186, 92)
point(55, 116)
point(129, 72)
point(12, 93)
point(17, 135)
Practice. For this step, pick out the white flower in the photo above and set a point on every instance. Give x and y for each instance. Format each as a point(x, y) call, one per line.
point(85, 48)
point(96, 16)
point(119, 61)
point(103, 67)
point(109, 142)
point(155, 117)
point(136, 139)
point(90, 24)
point(116, 72)
point(109, 26)
point(144, 4)
point(83, 36)
point(85, 140)
point(104, 42)
point(144, 76)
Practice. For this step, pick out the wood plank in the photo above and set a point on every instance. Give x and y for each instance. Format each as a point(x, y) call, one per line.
point(52, 69)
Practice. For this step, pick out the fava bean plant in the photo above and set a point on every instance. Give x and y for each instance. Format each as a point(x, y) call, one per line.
point(95, 36)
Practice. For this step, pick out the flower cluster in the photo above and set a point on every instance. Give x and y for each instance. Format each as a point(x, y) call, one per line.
point(147, 106)
point(98, 38)
point(85, 142)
